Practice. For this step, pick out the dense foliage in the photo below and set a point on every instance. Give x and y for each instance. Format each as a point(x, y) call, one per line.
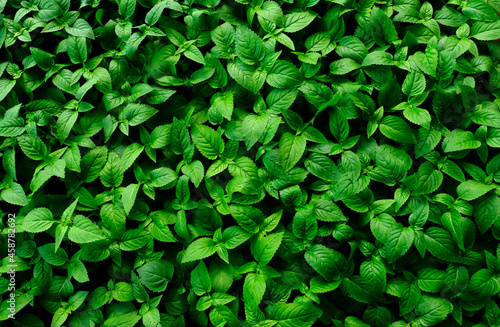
point(265, 163)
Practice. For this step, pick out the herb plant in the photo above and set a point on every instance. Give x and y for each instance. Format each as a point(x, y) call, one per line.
point(250, 163)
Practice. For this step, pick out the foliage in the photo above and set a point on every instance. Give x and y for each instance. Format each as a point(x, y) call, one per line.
point(251, 163)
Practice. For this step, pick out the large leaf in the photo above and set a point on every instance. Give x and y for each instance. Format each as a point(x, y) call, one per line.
point(325, 261)
point(199, 249)
point(156, 274)
point(33, 147)
point(471, 190)
point(396, 129)
point(266, 247)
point(84, 230)
point(207, 141)
point(249, 46)
point(294, 314)
point(291, 149)
point(38, 220)
point(432, 310)
point(284, 75)
point(398, 242)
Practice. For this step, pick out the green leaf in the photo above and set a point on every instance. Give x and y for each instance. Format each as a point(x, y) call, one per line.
point(155, 13)
point(128, 197)
point(14, 194)
point(381, 27)
point(480, 10)
point(111, 175)
point(65, 123)
point(156, 274)
point(298, 20)
point(180, 138)
point(124, 320)
point(428, 62)
point(207, 141)
point(266, 247)
point(471, 190)
point(343, 66)
point(199, 249)
point(428, 179)
point(316, 93)
point(77, 49)
point(318, 41)
point(33, 147)
point(254, 289)
point(305, 225)
point(254, 126)
point(322, 167)
point(319, 285)
point(162, 176)
point(133, 239)
point(418, 116)
point(249, 218)
point(414, 84)
point(38, 220)
point(84, 230)
point(459, 140)
point(398, 242)
point(492, 313)
point(200, 279)
point(431, 280)
point(440, 244)
point(60, 316)
point(249, 46)
point(281, 99)
point(73, 158)
point(77, 299)
point(325, 261)
point(484, 31)
point(223, 104)
point(92, 163)
point(339, 125)
point(113, 217)
point(452, 221)
point(10, 127)
point(291, 149)
point(378, 58)
point(294, 314)
point(242, 74)
point(129, 155)
point(284, 75)
point(486, 211)
point(126, 8)
point(123, 292)
point(397, 129)
point(449, 17)
point(432, 310)
point(427, 140)
point(43, 59)
point(352, 47)
point(234, 236)
point(47, 252)
point(5, 87)
point(137, 114)
point(81, 28)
